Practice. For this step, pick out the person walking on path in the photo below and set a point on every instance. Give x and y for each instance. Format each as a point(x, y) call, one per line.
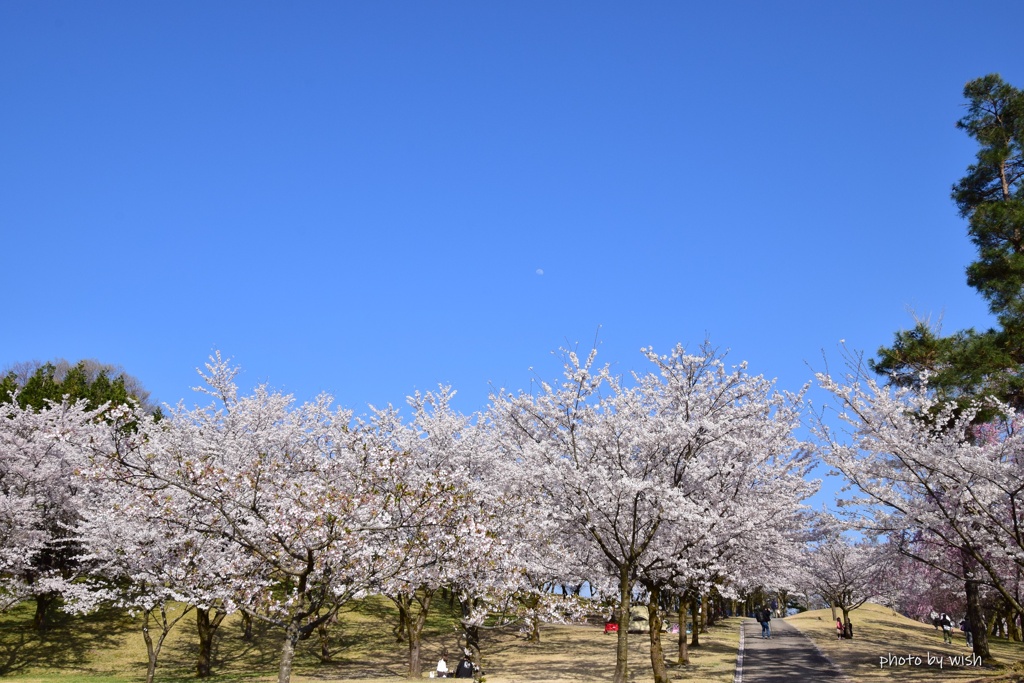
point(947, 628)
point(766, 623)
point(965, 626)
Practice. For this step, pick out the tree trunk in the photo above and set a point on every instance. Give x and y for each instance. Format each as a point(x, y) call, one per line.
point(532, 622)
point(152, 650)
point(471, 632)
point(978, 631)
point(41, 620)
point(246, 626)
point(684, 655)
point(414, 625)
point(654, 628)
point(402, 628)
point(710, 614)
point(291, 637)
point(847, 624)
point(206, 627)
point(695, 614)
point(622, 645)
point(325, 643)
point(705, 608)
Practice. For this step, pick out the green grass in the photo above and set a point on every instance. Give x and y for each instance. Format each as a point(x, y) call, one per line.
point(107, 647)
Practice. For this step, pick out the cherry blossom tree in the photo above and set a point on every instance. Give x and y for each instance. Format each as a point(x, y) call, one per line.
point(40, 501)
point(922, 466)
point(642, 474)
point(846, 574)
point(741, 464)
point(429, 455)
point(144, 559)
point(293, 490)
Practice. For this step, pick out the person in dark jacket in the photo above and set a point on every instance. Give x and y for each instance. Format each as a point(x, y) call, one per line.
point(465, 668)
point(766, 623)
point(965, 626)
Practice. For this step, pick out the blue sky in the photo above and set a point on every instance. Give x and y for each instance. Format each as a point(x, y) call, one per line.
point(374, 198)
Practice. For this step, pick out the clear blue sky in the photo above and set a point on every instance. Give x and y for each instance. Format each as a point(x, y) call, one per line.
point(372, 198)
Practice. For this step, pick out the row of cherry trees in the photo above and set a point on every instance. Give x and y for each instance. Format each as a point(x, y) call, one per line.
point(685, 478)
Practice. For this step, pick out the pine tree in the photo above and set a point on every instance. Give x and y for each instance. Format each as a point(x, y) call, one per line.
point(969, 364)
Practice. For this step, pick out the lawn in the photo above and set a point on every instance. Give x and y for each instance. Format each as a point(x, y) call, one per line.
point(107, 647)
point(879, 632)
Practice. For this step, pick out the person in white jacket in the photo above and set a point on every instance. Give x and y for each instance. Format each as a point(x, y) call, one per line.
point(442, 668)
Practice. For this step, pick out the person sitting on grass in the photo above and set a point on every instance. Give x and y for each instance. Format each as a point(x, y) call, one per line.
point(442, 667)
point(465, 667)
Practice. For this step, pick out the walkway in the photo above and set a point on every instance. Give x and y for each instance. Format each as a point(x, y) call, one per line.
point(787, 657)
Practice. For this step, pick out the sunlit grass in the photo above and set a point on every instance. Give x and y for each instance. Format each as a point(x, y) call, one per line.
point(878, 631)
point(586, 653)
point(107, 647)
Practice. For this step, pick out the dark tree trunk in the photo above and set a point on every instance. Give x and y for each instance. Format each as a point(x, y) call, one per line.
point(979, 633)
point(41, 620)
point(246, 626)
point(847, 624)
point(207, 628)
point(711, 613)
point(401, 630)
point(325, 643)
point(414, 626)
point(470, 631)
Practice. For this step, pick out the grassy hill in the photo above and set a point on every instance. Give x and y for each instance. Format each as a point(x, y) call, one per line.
point(107, 647)
point(878, 632)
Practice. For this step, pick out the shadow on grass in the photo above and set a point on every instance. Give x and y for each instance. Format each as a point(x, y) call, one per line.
point(878, 632)
point(66, 644)
point(233, 657)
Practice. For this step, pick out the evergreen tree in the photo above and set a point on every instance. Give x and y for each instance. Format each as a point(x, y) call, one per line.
point(36, 384)
point(969, 364)
point(991, 195)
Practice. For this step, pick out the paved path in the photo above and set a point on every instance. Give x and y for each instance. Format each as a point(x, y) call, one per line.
point(787, 657)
